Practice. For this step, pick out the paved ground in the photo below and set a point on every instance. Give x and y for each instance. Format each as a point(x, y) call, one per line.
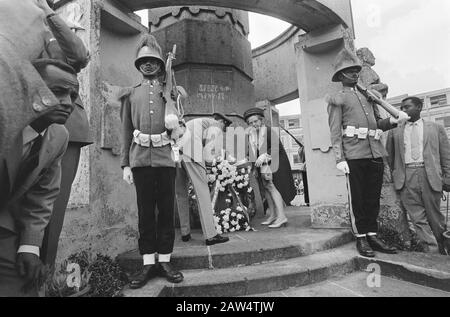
point(355, 285)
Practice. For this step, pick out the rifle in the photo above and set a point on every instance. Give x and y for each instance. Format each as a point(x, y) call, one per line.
point(384, 104)
point(170, 92)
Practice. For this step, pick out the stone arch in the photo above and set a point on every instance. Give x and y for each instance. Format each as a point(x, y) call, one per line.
point(306, 14)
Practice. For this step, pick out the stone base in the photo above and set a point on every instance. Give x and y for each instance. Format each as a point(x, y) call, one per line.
point(325, 216)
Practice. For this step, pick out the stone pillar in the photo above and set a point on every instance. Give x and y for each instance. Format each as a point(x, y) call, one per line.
point(213, 58)
point(316, 52)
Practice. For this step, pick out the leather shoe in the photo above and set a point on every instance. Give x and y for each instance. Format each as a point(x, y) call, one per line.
point(173, 276)
point(141, 278)
point(186, 238)
point(217, 239)
point(364, 248)
point(378, 245)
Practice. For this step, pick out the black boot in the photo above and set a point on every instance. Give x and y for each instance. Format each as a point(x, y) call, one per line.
point(173, 276)
point(378, 245)
point(217, 239)
point(141, 278)
point(186, 238)
point(364, 248)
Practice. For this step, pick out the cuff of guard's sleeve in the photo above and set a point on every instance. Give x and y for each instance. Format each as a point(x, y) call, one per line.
point(31, 238)
point(29, 249)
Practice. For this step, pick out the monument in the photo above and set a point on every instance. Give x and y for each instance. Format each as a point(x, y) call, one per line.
point(104, 217)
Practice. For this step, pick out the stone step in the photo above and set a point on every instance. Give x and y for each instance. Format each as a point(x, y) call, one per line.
point(430, 270)
point(355, 285)
point(255, 279)
point(246, 248)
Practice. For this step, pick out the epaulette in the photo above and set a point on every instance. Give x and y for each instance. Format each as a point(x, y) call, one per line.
point(124, 92)
point(336, 99)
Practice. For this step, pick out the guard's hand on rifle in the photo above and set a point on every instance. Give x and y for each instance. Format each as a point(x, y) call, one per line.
point(402, 117)
point(128, 175)
point(343, 167)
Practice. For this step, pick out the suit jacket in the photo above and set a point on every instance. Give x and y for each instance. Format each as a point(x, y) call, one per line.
point(436, 155)
point(29, 206)
point(24, 95)
point(280, 165)
point(69, 48)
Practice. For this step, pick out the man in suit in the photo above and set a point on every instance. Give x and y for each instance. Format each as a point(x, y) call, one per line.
point(193, 137)
point(419, 157)
point(23, 94)
point(271, 165)
point(34, 171)
point(63, 44)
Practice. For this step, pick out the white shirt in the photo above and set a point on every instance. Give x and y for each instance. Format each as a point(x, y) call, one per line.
point(28, 136)
point(407, 140)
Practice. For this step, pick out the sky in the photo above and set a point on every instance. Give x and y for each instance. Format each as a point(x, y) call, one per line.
point(409, 38)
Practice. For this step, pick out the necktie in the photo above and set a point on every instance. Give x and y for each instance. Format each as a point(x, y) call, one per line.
point(415, 148)
point(30, 162)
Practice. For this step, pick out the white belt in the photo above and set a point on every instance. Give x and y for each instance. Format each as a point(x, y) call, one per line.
point(157, 140)
point(362, 133)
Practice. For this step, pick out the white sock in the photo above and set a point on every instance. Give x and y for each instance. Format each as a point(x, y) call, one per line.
point(149, 259)
point(164, 258)
point(360, 235)
point(371, 234)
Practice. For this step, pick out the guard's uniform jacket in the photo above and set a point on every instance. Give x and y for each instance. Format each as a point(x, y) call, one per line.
point(142, 112)
point(355, 126)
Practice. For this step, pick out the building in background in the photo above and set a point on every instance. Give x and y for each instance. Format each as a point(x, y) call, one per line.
point(436, 106)
point(293, 125)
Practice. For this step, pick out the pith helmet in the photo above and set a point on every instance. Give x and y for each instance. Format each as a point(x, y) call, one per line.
point(149, 48)
point(345, 59)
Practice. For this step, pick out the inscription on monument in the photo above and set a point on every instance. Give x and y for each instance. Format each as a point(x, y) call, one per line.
point(212, 92)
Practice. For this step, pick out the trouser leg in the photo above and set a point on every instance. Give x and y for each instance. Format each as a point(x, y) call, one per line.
point(146, 189)
point(411, 197)
point(357, 181)
point(432, 203)
point(69, 167)
point(182, 201)
point(197, 175)
point(165, 177)
point(372, 193)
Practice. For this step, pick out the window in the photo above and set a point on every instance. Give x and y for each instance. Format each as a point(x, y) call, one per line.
point(296, 159)
point(282, 123)
point(440, 100)
point(294, 123)
point(294, 143)
point(444, 121)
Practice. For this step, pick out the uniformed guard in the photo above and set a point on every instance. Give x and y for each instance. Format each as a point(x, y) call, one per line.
point(148, 161)
point(356, 127)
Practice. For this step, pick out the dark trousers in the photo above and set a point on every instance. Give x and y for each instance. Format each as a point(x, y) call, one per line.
point(305, 187)
point(11, 283)
point(155, 187)
point(366, 181)
point(69, 167)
